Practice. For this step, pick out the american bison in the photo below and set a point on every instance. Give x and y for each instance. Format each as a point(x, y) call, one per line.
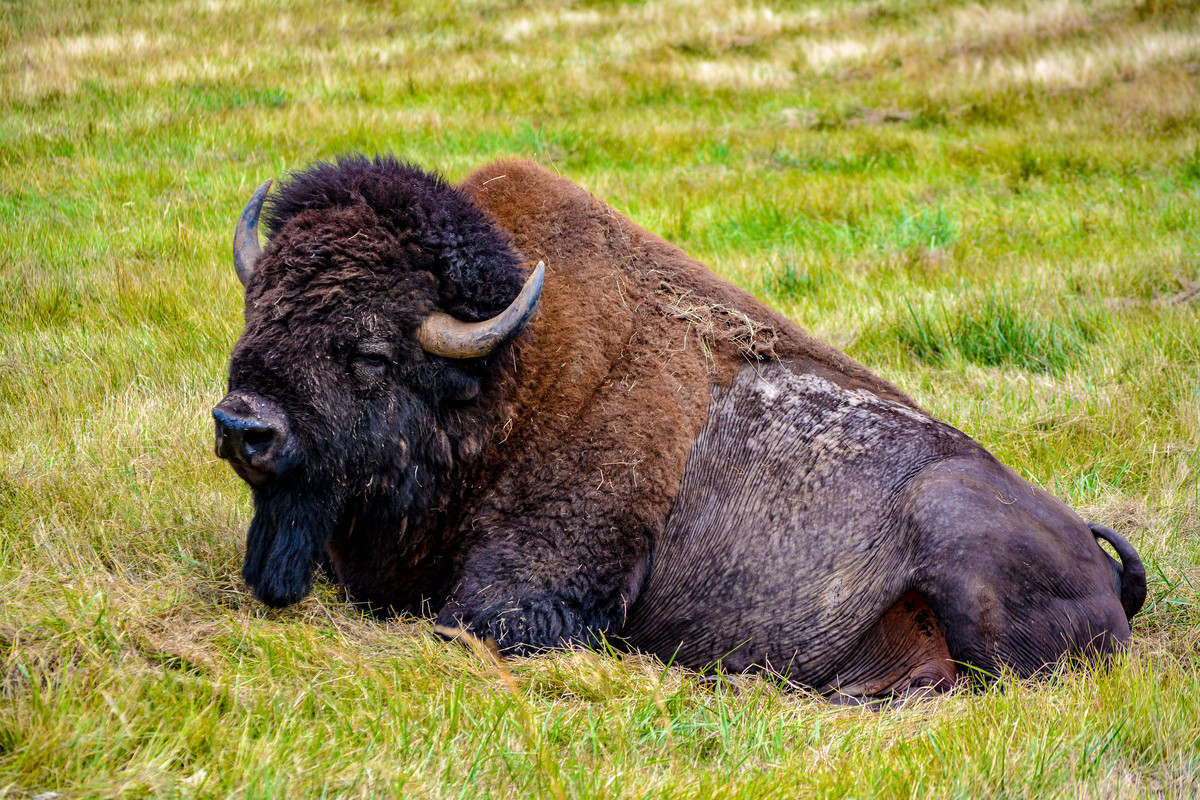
point(617, 443)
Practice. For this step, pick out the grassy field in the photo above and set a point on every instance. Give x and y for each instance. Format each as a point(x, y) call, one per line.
point(996, 206)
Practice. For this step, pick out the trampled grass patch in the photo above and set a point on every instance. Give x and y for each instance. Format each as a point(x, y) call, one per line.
point(996, 206)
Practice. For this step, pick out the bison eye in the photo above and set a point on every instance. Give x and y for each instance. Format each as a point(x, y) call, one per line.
point(370, 365)
point(372, 360)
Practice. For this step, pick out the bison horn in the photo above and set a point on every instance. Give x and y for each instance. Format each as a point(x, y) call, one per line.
point(245, 236)
point(443, 335)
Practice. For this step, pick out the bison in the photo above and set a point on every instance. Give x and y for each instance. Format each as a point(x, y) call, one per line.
point(505, 405)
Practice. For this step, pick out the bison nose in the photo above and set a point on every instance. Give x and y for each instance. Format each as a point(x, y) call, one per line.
point(240, 439)
point(253, 440)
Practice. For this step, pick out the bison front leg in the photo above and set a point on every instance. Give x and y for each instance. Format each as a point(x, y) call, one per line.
point(547, 588)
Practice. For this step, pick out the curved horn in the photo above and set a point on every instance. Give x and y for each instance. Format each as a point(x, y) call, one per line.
point(443, 335)
point(245, 236)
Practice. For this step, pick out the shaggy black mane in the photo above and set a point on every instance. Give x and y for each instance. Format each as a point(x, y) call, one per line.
point(480, 271)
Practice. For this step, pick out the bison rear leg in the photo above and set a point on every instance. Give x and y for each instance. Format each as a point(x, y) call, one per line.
point(902, 657)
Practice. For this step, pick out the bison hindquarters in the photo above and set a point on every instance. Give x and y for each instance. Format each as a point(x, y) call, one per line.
point(1015, 577)
point(855, 545)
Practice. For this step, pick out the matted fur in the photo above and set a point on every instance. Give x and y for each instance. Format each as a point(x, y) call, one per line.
point(476, 270)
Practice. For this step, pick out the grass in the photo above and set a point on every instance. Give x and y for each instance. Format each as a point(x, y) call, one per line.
point(997, 206)
point(991, 331)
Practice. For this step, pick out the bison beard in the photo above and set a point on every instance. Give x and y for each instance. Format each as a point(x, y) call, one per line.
point(286, 540)
point(656, 457)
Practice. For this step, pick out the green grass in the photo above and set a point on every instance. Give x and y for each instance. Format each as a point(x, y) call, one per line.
point(996, 206)
point(991, 331)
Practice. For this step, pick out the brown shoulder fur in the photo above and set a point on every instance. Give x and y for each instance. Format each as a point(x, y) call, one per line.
point(582, 239)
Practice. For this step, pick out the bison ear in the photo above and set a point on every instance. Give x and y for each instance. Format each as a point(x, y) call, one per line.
point(245, 236)
point(443, 335)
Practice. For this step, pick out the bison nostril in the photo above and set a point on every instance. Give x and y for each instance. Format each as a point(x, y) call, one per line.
point(257, 439)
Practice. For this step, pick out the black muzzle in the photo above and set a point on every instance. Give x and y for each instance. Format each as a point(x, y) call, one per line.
point(252, 434)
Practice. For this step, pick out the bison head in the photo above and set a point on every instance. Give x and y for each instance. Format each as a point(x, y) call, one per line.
point(361, 381)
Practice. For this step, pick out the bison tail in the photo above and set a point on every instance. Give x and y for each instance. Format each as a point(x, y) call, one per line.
point(1129, 576)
